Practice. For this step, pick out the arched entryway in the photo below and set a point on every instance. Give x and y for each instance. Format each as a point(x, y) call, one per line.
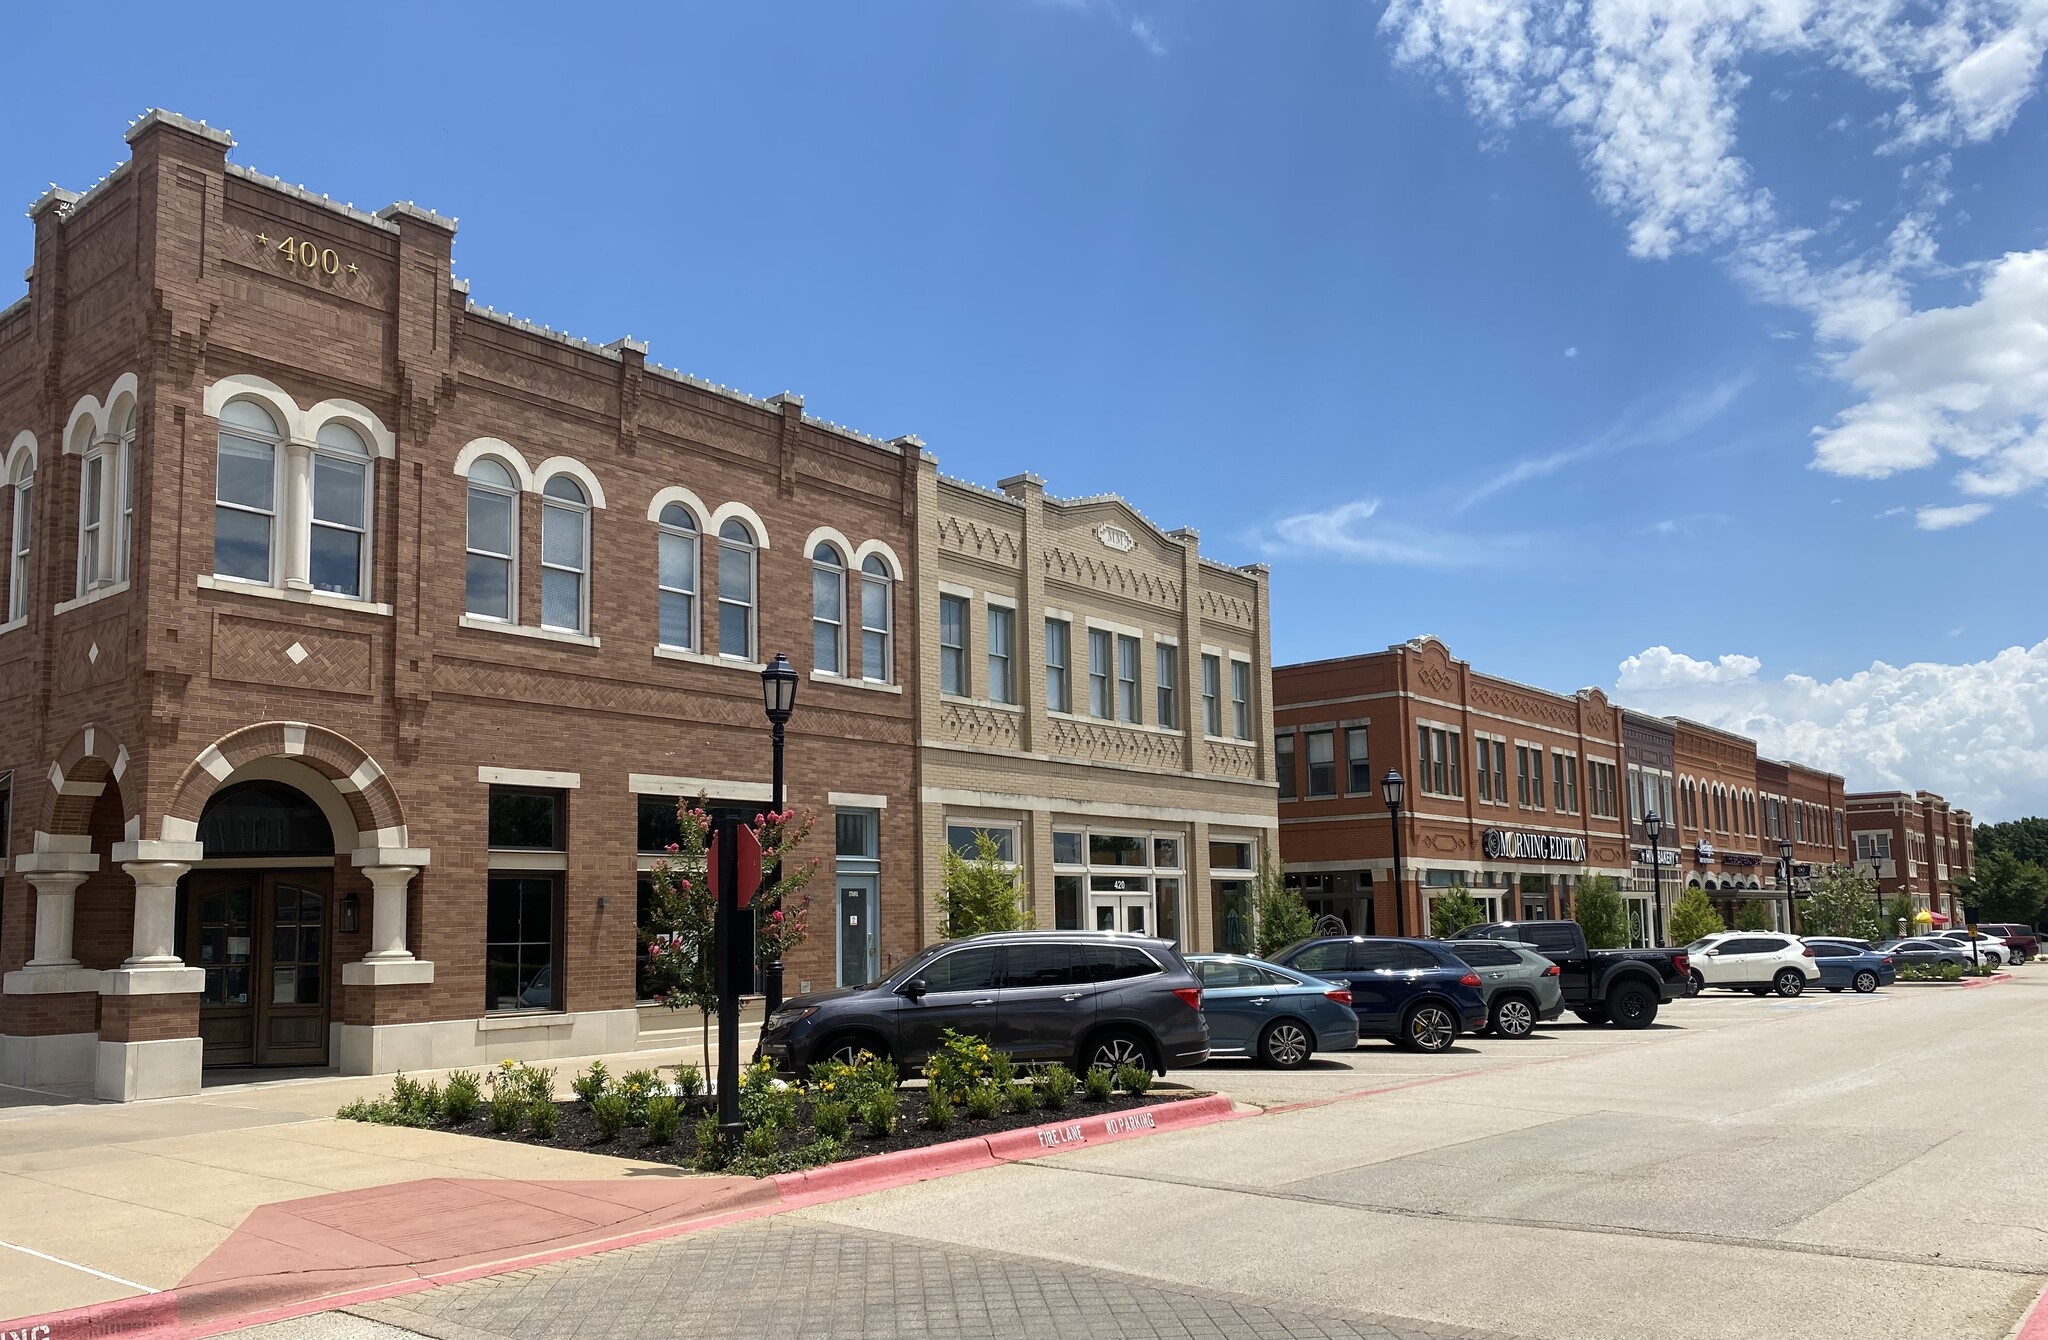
point(256, 915)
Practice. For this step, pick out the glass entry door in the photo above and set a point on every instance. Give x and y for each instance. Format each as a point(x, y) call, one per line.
point(1120, 903)
point(262, 940)
point(859, 936)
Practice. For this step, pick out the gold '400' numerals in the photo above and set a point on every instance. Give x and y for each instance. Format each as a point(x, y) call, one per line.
point(311, 255)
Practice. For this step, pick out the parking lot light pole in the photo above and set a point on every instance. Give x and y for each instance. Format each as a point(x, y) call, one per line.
point(1791, 899)
point(1395, 789)
point(1653, 826)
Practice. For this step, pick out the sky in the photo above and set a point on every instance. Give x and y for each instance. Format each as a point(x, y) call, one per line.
point(1695, 349)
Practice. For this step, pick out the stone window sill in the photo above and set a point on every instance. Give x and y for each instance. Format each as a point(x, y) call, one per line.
point(871, 685)
point(324, 599)
point(470, 621)
point(92, 596)
point(13, 624)
point(492, 1023)
point(702, 658)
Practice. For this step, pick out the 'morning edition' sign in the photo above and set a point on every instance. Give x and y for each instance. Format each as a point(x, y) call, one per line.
point(1500, 843)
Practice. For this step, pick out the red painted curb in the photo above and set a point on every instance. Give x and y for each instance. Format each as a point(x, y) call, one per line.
point(2035, 1325)
point(1993, 980)
point(164, 1315)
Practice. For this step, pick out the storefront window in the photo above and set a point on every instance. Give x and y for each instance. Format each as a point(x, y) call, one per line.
point(659, 829)
point(1231, 856)
point(1066, 902)
point(1166, 853)
point(525, 819)
point(1115, 849)
point(1066, 849)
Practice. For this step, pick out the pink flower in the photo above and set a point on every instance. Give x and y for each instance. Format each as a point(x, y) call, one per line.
point(674, 847)
point(684, 884)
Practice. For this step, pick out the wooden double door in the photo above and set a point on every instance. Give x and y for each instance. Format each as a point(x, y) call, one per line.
point(262, 938)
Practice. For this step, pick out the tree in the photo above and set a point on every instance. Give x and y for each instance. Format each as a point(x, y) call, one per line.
point(1693, 917)
point(1844, 902)
point(1452, 911)
point(1899, 909)
point(1596, 906)
point(2026, 839)
point(2005, 888)
point(980, 894)
point(1279, 915)
point(1752, 915)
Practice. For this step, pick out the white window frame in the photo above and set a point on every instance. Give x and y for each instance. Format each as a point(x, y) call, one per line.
point(510, 492)
point(751, 549)
point(1166, 684)
point(1240, 698)
point(693, 536)
point(835, 571)
point(1212, 695)
point(124, 533)
point(955, 652)
point(1130, 705)
point(1102, 680)
point(550, 504)
point(1059, 675)
point(1002, 661)
point(21, 538)
point(1012, 827)
point(368, 461)
point(875, 574)
point(92, 519)
point(277, 441)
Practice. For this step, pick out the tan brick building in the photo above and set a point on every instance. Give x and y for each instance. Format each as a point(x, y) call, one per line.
point(359, 640)
point(1511, 791)
point(1094, 694)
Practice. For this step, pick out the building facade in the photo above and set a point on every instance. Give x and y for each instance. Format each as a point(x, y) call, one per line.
point(1511, 792)
point(360, 642)
point(1649, 745)
point(1915, 844)
point(1094, 696)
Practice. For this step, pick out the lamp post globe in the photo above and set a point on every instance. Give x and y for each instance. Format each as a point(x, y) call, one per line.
point(1396, 790)
point(778, 700)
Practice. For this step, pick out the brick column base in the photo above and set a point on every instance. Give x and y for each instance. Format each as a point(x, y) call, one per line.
point(148, 1046)
point(47, 1038)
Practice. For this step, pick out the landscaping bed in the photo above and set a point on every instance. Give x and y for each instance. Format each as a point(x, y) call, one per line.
point(841, 1112)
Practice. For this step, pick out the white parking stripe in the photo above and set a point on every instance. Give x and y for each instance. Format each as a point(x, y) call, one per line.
point(58, 1260)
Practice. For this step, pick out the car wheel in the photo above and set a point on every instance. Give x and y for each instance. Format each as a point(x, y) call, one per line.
point(1592, 1014)
point(1111, 1050)
point(1632, 1005)
point(849, 1049)
point(1788, 983)
point(1866, 982)
point(1513, 1017)
point(1699, 983)
point(1286, 1045)
point(1429, 1027)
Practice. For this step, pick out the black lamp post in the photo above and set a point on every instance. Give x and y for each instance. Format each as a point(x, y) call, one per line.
point(778, 699)
point(1395, 789)
point(1791, 894)
point(1653, 826)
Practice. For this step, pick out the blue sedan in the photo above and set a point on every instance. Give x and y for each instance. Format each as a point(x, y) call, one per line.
point(1849, 967)
point(1416, 993)
point(1276, 1015)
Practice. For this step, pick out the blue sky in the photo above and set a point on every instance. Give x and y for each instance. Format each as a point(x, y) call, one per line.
point(1515, 330)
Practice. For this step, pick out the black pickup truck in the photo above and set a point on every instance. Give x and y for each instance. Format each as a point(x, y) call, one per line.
point(1623, 987)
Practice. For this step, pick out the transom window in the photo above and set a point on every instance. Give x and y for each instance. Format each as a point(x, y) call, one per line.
point(828, 610)
point(736, 623)
point(491, 581)
point(339, 557)
point(564, 555)
point(245, 493)
point(676, 564)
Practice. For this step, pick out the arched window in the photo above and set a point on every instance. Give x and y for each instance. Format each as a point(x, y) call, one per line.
point(18, 545)
point(125, 537)
point(339, 560)
point(828, 610)
point(736, 590)
point(877, 609)
point(677, 564)
point(245, 493)
point(94, 465)
point(564, 554)
point(491, 584)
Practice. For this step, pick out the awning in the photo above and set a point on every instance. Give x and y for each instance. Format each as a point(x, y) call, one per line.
point(1939, 919)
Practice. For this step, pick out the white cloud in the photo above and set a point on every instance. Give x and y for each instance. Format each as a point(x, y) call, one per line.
point(1975, 732)
point(1948, 518)
point(1572, 352)
point(1147, 36)
point(1356, 532)
point(1650, 92)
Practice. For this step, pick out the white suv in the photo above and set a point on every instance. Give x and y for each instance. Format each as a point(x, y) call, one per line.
point(1990, 948)
point(1758, 962)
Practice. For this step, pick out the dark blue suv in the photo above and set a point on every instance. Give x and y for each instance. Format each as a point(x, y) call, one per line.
point(1416, 992)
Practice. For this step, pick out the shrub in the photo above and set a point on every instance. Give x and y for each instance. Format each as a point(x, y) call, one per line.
point(788, 1160)
point(1056, 1086)
point(832, 1119)
point(1020, 1095)
point(664, 1119)
point(983, 1101)
point(1693, 917)
point(1597, 907)
point(592, 1083)
point(878, 1112)
point(761, 1141)
point(712, 1154)
point(640, 1085)
point(1279, 916)
point(962, 1060)
point(420, 1103)
point(1452, 911)
point(938, 1108)
point(462, 1097)
point(980, 894)
point(506, 1106)
point(1752, 915)
point(1133, 1079)
point(1098, 1084)
point(689, 1082)
point(376, 1111)
point(544, 1115)
point(610, 1111)
point(522, 1081)
point(764, 1099)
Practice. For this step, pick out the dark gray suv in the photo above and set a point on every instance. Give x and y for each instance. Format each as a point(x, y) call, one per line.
point(1087, 998)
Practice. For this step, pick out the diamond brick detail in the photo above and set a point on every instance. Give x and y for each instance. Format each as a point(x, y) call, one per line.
point(296, 653)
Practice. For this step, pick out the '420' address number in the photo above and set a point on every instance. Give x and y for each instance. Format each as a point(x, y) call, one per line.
point(311, 255)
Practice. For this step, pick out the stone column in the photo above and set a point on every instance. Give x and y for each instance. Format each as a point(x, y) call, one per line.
point(156, 914)
point(56, 902)
point(295, 517)
point(149, 1043)
point(387, 917)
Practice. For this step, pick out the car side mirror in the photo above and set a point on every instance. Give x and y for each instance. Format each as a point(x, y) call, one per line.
point(914, 989)
point(1713, 953)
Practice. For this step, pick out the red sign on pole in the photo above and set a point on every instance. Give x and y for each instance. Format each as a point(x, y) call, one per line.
point(749, 865)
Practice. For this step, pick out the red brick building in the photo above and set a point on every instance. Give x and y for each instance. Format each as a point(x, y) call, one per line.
point(1512, 792)
point(357, 637)
point(1916, 844)
point(1719, 827)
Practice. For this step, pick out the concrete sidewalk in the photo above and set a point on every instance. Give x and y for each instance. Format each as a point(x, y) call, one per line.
point(106, 1201)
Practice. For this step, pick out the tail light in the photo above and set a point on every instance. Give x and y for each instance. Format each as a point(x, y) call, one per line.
point(1806, 951)
point(1681, 964)
point(1887, 960)
point(1340, 995)
point(1190, 996)
point(1469, 979)
point(1553, 971)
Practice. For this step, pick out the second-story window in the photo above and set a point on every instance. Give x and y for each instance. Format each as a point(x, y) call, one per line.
point(245, 493)
point(1059, 660)
point(828, 610)
point(1283, 762)
point(736, 554)
point(1002, 682)
point(1168, 657)
point(1322, 763)
point(1241, 699)
point(953, 644)
point(1357, 762)
point(18, 548)
point(564, 555)
point(491, 583)
point(1127, 678)
point(676, 563)
point(1212, 694)
point(877, 621)
point(1101, 647)
point(338, 550)
point(92, 483)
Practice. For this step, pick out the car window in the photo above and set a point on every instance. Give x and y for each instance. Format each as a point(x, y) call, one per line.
point(1744, 945)
point(1038, 965)
point(1484, 955)
point(1330, 956)
point(1110, 963)
point(962, 970)
point(1219, 975)
point(1394, 957)
point(1821, 949)
point(1269, 977)
point(1553, 937)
